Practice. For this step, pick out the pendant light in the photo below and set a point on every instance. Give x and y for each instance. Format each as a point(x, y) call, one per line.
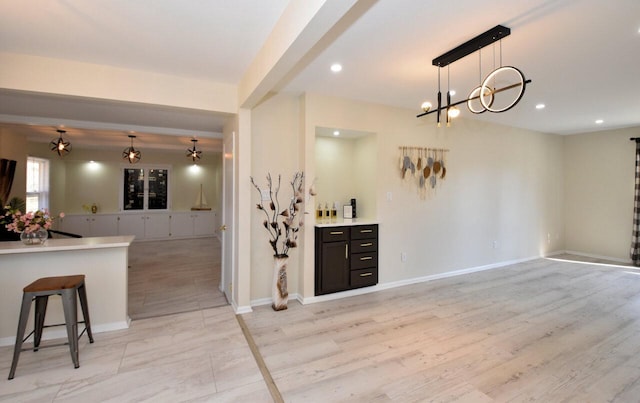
point(60, 145)
point(131, 154)
point(192, 152)
point(483, 97)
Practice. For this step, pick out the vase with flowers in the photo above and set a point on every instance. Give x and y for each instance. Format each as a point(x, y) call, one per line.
point(32, 226)
point(283, 226)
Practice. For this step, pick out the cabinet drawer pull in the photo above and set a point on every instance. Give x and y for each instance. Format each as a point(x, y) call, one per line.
point(363, 231)
point(366, 274)
point(336, 232)
point(346, 251)
point(366, 258)
point(366, 244)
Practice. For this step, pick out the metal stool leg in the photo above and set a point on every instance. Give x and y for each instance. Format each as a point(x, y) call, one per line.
point(41, 310)
point(70, 307)
point(22, 325)
point(82, 293)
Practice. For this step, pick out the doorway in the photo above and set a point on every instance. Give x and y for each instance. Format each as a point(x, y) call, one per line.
point(167, 277)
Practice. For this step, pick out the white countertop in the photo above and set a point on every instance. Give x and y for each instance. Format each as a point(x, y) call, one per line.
point(61, 244)
point(341, 222)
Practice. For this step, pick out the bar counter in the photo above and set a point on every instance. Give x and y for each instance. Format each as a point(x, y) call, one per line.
point(104, 262)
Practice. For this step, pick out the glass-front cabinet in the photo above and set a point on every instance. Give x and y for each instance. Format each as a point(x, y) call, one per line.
point(145, 189)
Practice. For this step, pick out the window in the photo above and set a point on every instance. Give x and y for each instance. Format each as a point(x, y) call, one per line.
point(37, 184)
point(145, 189)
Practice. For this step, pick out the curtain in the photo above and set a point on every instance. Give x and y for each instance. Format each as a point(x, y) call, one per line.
point(7, 171)
point(635, 235)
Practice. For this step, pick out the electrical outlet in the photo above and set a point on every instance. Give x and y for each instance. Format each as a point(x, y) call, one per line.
point(403, 256)
point(548, 237)
point(495, 244)
point(265, 195)
point(389, 196)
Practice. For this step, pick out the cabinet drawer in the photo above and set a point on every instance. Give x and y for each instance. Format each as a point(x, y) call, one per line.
point(333, 234)
point(364, 231)
point(364, 277)
point(364, 260)
point(364, 245)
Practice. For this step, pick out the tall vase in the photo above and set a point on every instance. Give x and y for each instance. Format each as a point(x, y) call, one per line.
point(279, 289)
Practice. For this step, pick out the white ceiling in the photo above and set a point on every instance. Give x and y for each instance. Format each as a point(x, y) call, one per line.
point(581, 55)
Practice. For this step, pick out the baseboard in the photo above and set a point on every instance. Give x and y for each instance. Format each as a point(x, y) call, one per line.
point(61, 333)
point(601, 257)
point(239, 310)
point(415, 280)
point(268, 301)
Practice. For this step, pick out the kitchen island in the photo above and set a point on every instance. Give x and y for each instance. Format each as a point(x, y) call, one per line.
point(104, 262)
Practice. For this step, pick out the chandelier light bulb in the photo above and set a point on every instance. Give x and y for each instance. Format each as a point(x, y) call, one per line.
point(60, 145)
point(453, 112)
point(194, 153)
point(426, 106)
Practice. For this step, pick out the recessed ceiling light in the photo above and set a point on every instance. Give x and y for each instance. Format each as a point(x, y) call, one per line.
point(599, 121)
point(336, 67)
point(336, 133)
point(540, 106)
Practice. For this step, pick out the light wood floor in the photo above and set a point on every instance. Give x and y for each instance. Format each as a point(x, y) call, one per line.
point(168, 277)
point(541, 331)
point(544, 331)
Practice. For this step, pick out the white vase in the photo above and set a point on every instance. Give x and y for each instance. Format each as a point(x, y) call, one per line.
point(279, 291)
point(35, 237)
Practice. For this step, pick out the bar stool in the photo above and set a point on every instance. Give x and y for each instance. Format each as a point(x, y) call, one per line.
point(40, 290)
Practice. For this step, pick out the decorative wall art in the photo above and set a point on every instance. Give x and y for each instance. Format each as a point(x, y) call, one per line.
point(426, 167)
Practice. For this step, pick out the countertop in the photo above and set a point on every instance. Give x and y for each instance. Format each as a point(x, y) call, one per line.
point(54, 245)
point(342, 222)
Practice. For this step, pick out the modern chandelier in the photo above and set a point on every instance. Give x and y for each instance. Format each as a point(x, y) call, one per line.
point(505, 80)
point(192, 152)
point(60, 145)
point(131, 154)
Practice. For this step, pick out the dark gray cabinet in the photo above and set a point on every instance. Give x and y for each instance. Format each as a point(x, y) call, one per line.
point(346, 258)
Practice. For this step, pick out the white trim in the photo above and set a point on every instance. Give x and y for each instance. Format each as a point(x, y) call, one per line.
point(589, 255)
point(415, 280)
point(61, 333)
point(239, 310)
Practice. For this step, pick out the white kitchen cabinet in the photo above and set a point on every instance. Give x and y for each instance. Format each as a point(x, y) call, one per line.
point(193, 224)
point(144, 226)
point(90, 225)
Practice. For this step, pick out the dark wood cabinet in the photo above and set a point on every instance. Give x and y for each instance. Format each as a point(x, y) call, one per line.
point(346, 258)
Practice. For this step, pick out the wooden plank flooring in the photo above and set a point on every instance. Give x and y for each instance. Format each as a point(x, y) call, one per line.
point(167, 277)
point(543, 331)
point(540, 331)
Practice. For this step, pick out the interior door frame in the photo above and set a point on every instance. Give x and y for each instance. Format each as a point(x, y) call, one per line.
point(228, 214)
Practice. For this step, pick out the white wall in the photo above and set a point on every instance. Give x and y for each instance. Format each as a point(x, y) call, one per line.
point(599, 177)
point(503, 184)
point(346, 169)
point(75, 182)
point(275, 138)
